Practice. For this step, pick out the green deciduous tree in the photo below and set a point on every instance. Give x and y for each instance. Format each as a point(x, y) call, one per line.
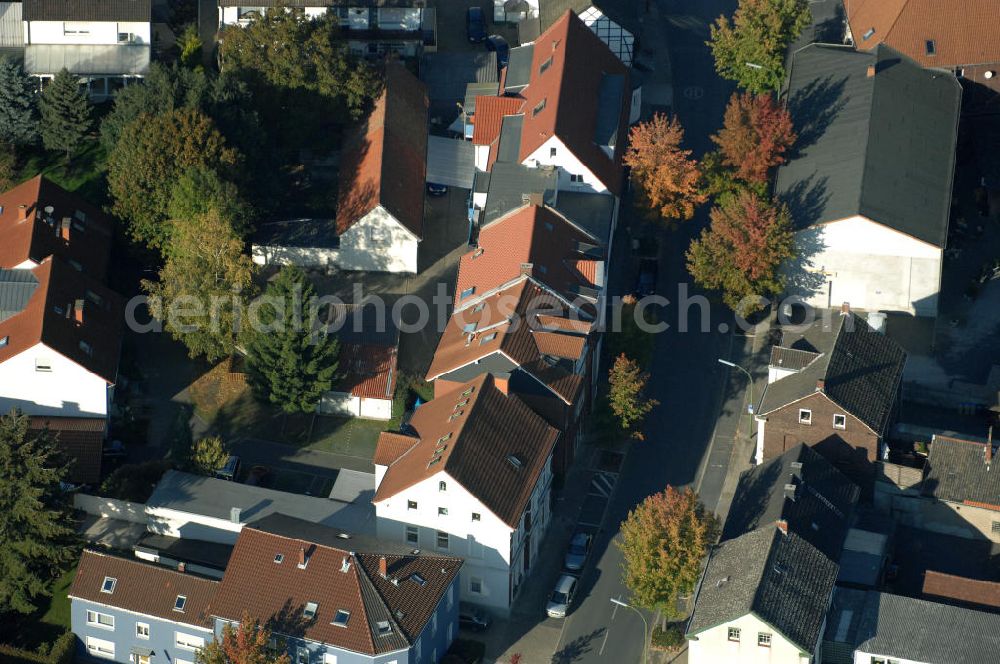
point(290, 362)
point(742, 249)
point(200, 190)
point(189, 44)
point(245, 643)
point(750, 49)
point(663, 541)
point(66, 114)
point(151, 154)
point(665, 176)
point(755, 135)
point(626, 384)
point(208, 455)
point(203, 285)
point(18, 104)
point(35, 522)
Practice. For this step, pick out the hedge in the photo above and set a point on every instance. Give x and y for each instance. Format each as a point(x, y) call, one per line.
point(61, 653)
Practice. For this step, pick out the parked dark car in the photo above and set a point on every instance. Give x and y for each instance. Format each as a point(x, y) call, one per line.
point(475, 25)
point(579, 549)
point(646, 283)
point(435, 189)
point(501, 47)
point(473, 619)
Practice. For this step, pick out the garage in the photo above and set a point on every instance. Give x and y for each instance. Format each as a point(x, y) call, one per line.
point(450, 162)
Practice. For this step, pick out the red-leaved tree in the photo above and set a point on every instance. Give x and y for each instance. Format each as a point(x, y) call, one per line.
point(246, 643)
point(665, 176)
point(755, 135)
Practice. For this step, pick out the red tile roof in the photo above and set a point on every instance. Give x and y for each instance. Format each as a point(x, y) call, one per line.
point(569, 89)
point(531, 235)
point(489, 115)
point(471, 434)
point(143, 588)
point(391, 446)
point(385, 161)
point(369, 370)
point(81, 439)
point(32, 233)
point(49, 318)
point(966, 33)
point(507, 323)
point(336, 580)
point(967, 591)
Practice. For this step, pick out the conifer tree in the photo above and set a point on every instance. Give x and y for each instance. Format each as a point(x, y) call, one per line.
point(18, 104)
point(66, 114)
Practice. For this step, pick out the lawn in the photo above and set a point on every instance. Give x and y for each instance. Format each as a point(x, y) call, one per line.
point(84, 175)
point(54, 616)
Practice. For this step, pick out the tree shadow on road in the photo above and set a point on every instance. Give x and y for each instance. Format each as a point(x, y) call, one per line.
point(576, 648)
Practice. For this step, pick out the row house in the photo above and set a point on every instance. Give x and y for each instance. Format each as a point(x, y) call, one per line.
point(107, 43)
point(471, 475)
point(326, 599)
point(372, 28)
point(60, 327)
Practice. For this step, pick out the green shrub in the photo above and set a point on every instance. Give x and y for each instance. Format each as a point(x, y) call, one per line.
point(669, 637)
point(59, 652)
point(134, 481)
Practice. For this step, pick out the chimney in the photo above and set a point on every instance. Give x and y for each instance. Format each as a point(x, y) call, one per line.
point(526, 268)
point(790, 492)
point(78, 311)
point(797, 470)
point(64, 228)
point(22, 212)
point(820, 385)
point(871, 71)
point(534, 198)
point(181, 567)
point(782, 526)
point(234, 514)
point(383, 568)
point(845, 308)
point(302, 557)
point(988, 453)
point(502, 383)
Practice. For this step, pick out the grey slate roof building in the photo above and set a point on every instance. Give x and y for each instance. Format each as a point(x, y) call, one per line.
point(962, 470)
point(88, 10)
point(778, 577)
point(861, 369)
point(803, 489)
point(886, 626)
point(877, 138)
point(16, 289)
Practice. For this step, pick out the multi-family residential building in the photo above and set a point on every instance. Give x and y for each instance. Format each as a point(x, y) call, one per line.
point(107, 43)
point(371, 27)
point(471, 476)
point(833, 384)
point(869, 187)
point(326, 597)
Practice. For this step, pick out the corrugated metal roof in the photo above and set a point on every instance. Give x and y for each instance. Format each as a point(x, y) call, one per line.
point(16, 288)
point(11, 26)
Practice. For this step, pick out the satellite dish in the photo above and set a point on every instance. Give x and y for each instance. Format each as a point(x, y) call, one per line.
point(49, 209)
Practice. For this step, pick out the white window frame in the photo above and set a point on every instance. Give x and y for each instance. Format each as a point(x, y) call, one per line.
point(805, 416)
point(764, 639)
point(95, 645)
point(412, 530)
point(734, 634)
point(447, 540)
point(141, 627)
point(475, 581)
point(843, 421)
point(94, 620)
point(186, 645)
point(44, 364)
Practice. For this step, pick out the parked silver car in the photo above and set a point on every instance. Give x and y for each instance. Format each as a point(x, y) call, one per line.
point(561, 597)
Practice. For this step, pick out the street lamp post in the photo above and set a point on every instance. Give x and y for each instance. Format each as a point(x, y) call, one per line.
point(645, 625)
point(749, 387)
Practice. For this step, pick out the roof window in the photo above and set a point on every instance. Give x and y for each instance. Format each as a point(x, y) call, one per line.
point(279, 558)
point(930, 47)
point(488, 338)
point(545, 65)
point(109, 585)
point(467, 393)
point(868, 34)
point(179, 603)
point(444, 438)
point(418, 579)
point(538, 108)
point(310, 611)
point(384, 628)
point(340, 620)
point(515, 461)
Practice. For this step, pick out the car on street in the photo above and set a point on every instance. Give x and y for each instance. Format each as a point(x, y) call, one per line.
point(473, 619)
point(579, 549)
point(646, 283)
point(500, 46)
point(475, 25)
point(435, 189)
point(561, 597)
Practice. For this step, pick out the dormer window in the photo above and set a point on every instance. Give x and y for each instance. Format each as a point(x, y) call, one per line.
point(309, 612)
point(805, 416)
point(341, 619)
point(109, 585)
point(384, 628)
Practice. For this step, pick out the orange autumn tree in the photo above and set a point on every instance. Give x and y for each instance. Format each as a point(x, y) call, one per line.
point(246, 643)
point(755, 135)
point(665, 176)
point(663, 541)
point(626, 384)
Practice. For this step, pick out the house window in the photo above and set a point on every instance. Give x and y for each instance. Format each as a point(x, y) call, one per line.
point(839, 421)
point(126, 37)
point(102, 620)
point(734, 634)
point(467, 292)
point(45, 364)
point(764, 639)
point(575, 177)
point(412, 535)
point(342, 617)
point(100, 648)
point(179, 603)
point(930, 47)
point(442, 486)
point(76, 28)
point(188, 642)
point(141, 631)
point(442, 540)
point(476, 585)
point(476, 516)
point(552, 152)
point(411, 504)
point(995, 527)
point(442, 511)
point(109, 585)
point(538, 108)
point(805, 416)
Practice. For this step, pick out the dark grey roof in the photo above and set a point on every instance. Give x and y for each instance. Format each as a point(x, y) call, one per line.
point(87, 10)
point(494, 363)
point(519, 68)
point(199, 552)
point(473, 90)
point(861, 369)
point(957, 470)
point(365, 325)
point(16, 288)
point(318, 3)
point(307, 233)
point(609, 109)
point(781, 579)
point(508, 149)
point(900, 627)
point(880, 146)
point(290, 526)
point(818, 509)
point(791, 358)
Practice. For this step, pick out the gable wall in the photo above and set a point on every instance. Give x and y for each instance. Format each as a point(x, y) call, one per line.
point(393, 248)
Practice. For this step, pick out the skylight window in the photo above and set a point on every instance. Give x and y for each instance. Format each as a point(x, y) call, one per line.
point(468, 392)
point(868, 34)
point(279, 558)
point(310, 611)
point(340, 620)
point(384, 628)
point(538, 108)
point(444, 438)
point(109, 585)
point(488, 338)
point(179, 603)
point(434, 461)
point(417, 579)
point(515, 460)
point(930, 47)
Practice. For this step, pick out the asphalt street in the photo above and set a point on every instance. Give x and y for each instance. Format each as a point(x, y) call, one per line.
point(686, 379)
